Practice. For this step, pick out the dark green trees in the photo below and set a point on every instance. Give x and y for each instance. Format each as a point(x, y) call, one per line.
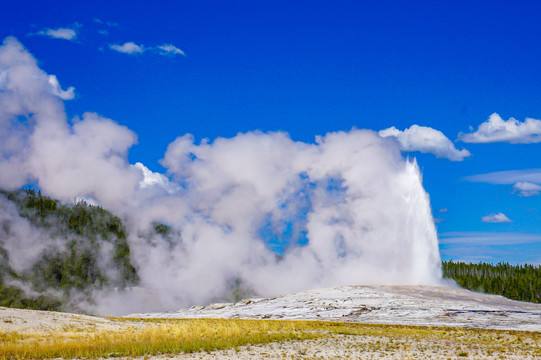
point(93, 254)
point(518, 282)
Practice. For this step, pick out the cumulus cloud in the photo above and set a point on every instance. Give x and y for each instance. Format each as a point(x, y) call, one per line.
point(152, 179)
point(525, 188)
point(60, 33)
point(68, 161)
point(426, 140)
point(128, 48)
point(169, 49)
point(346, 209)
point(57, 90)
point(495, 129)
point(496, 218)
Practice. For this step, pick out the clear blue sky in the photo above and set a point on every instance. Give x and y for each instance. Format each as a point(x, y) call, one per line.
point(310, 67)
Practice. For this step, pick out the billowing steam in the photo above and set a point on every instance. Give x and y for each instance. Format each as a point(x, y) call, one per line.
point(259, 208)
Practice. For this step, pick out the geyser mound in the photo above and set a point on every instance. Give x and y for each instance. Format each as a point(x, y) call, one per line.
point(418, 305)
point(256, 213)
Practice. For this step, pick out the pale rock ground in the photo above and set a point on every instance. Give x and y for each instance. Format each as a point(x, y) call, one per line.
point(379, 304)
point(354, 347)
point(24, 321)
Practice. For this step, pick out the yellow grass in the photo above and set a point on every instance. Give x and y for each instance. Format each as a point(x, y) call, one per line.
point(148, 338)
point(169, 336)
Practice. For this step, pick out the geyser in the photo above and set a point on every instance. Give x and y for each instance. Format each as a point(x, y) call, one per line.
point(258, 211)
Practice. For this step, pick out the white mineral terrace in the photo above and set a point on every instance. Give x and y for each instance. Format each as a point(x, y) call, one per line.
point(408, 305)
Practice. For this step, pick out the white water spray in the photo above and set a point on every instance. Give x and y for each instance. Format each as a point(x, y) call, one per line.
point(347, 209)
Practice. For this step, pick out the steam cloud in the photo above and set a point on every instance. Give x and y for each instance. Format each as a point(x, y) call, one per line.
point(347, 209)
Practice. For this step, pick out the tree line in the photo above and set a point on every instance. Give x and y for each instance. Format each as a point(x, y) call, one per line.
point(70, 270)
point(517, 282)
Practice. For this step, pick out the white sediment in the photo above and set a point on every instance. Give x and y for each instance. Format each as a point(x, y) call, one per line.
point(407, 305)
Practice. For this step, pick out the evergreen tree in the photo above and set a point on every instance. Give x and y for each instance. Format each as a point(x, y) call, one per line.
point(517, 282)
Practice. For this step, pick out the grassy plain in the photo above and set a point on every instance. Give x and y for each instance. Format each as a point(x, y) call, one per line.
point(136, 337)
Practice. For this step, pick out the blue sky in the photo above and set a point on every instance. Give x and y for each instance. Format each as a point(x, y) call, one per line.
point(311, 67)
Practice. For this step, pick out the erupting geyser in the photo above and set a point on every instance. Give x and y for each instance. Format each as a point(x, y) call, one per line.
point(258, 209)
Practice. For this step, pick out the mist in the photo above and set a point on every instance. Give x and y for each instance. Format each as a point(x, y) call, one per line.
point(259, 209)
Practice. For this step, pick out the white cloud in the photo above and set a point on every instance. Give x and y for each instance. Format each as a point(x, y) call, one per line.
point(525, 188)
point(494, 247)
point(169, 49)
point(496, 218)
point(488, 238)
point(508, 177)
point(495, 129)
point(60, 33)
point(57, 89)
point(108, 23)
point(132, 48)
point(151, 179)
point(128, 48)
point(85, 159)
point(526, 182)
point(443, 210)
point(426, 140)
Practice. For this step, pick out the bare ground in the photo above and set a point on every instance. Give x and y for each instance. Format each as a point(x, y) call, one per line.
point(425, 306)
